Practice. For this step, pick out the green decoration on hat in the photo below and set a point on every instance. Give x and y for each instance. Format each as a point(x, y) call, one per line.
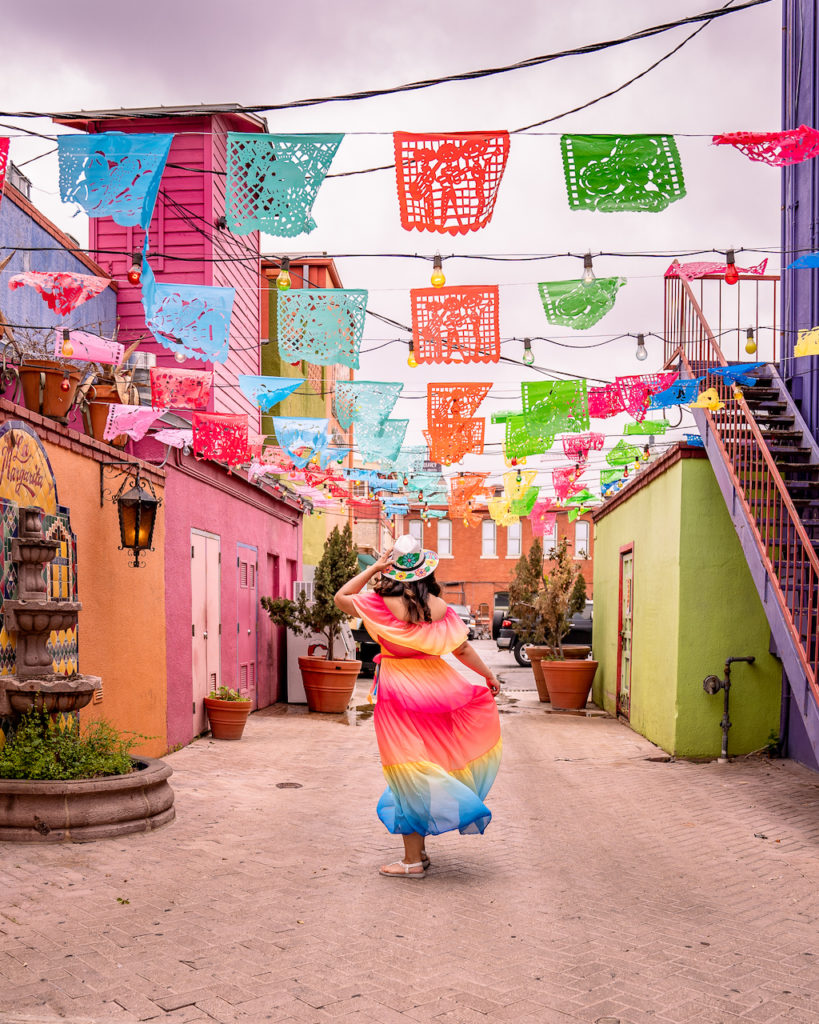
point(646, 427)
point(621, 173)
point(576, 304)
point(524, 439)
point(555, 406)
point(523, 506)
point(622, 454)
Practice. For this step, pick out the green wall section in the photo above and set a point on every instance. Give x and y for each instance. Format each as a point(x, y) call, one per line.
point(694, 605)
point(297, 404)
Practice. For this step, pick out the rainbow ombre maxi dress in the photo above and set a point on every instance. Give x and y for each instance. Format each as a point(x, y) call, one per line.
point(438, 734)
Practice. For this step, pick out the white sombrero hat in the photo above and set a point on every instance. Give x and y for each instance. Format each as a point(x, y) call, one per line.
point(410, 562)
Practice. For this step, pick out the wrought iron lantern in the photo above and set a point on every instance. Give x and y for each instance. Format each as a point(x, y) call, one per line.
point(137, 507)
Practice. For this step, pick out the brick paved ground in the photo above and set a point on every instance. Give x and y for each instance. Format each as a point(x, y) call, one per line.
point(608, 887)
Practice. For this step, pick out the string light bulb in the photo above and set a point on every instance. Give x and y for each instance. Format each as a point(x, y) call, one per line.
point(65, 383)
point(528, 354)
point(587, 278)
point(731, 272)
point(437, 280)
point(738, 396)
point(750, 343)
point(180, 357)
point(68, 348)
point(412, 362)
point(134, 274)
point(283, 281)
point(642, 351)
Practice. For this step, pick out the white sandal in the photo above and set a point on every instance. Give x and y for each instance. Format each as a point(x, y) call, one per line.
point(406, 871)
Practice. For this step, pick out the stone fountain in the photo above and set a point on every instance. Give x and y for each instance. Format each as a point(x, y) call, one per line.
point(33, 617)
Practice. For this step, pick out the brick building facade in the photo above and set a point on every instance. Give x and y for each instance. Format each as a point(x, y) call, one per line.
point(478, 562)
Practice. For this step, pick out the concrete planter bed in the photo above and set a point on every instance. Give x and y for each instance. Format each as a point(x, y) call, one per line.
point(79, 811)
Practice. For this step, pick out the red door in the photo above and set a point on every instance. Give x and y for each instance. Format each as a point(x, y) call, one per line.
point(247, 622)
point(624, 637)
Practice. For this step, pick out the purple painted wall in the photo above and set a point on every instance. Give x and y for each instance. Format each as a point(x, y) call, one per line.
point(201, 496)
point(800, 234)
point(800, 202)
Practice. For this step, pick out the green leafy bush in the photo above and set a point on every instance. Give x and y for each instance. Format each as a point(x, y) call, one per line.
point(39, 749)
point(225, 693)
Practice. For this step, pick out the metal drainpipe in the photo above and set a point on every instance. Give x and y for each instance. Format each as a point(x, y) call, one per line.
point(712, 685)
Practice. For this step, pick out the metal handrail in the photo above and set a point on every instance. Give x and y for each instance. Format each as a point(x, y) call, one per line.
point(787, 553)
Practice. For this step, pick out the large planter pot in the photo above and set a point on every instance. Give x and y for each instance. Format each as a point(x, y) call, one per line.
point(328, 685)
point(537, 654)
point(33, 811)
point(227, 717)
point(100, 399)
point(43, 392)
point(569, 683)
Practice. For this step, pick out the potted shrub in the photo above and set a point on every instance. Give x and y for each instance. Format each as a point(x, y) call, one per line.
point(529, 628)
point(328, 683)
point(545, 611)
point(227, 713)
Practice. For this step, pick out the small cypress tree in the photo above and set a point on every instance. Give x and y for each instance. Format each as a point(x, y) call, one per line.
point(542, 603)
point(339, 563)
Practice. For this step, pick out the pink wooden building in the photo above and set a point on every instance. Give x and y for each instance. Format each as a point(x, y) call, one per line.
point(228, 541)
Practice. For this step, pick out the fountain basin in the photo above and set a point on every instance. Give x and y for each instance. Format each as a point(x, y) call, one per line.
point(40, 617)
point(50, 693)
point(32, 550)
point(80, 811)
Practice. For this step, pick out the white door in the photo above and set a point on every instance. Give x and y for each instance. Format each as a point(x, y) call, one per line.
point(206, 624)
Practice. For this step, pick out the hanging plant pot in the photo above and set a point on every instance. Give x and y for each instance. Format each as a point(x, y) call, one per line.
point(569, 683)
point(49, 388)
point(328, 685)
point(227, 717)
point(100, 398)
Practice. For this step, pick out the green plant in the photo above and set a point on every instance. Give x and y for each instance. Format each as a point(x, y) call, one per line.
point(544, 603)
point(41, 749)
point(339, 562)
point(773, 748)
point(225, 693)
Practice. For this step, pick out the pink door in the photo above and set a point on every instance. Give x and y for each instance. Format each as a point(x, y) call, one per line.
point(247, 624)
point(206, 622)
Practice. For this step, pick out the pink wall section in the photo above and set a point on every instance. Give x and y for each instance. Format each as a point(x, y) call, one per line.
point(202, 497)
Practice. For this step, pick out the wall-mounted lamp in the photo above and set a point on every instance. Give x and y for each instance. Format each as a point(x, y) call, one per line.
point(137, 506)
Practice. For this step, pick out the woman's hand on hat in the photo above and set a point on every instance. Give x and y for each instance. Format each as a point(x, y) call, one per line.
point(384, 560)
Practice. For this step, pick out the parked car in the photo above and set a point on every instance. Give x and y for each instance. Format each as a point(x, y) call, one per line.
point(366, 648)
point(466, 617)
point(580, 633)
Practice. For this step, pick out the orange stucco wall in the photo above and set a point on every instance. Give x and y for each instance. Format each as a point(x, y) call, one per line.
point(122, 622)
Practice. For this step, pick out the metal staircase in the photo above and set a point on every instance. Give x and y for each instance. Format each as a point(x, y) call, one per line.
point(766, 463)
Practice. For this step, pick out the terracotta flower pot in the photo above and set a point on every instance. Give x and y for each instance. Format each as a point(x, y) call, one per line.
point(101, 398)
point(569, 683)
point(227, 717)
point(328, 685)
point(43, 389)
point(536, 656)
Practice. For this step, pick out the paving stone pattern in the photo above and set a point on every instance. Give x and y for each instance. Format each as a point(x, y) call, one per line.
point(608, 887)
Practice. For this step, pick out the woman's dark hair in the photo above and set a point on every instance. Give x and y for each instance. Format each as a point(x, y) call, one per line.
point(416, 594)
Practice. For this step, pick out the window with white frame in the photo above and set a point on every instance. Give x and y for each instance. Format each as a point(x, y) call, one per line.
point(549, 539)
point(416, 530)
point(445, 538)
point(488, 541)
point(513, 540)
point(581, 539)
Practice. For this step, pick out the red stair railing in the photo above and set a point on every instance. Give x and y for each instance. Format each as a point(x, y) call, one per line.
point(785, 548)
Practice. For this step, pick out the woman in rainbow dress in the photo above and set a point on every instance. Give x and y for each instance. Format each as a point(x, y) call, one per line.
point(438, 734)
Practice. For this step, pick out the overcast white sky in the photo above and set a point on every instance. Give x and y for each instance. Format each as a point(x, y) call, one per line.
point(96, 55)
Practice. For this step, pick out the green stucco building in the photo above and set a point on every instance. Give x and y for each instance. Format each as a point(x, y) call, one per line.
point(673, 598)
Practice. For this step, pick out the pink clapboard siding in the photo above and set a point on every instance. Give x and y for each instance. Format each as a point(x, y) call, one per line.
point(188, 246)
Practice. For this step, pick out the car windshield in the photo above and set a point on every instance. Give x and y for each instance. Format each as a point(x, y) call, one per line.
point(460, 609)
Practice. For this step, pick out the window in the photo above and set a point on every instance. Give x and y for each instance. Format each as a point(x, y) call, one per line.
point(445, 538)
point(581, 539)
point(416, 530)
point(549, 539)
point(488, 548)
point(513, 540)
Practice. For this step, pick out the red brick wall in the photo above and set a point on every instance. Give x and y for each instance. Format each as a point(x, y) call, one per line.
point(474, 580)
